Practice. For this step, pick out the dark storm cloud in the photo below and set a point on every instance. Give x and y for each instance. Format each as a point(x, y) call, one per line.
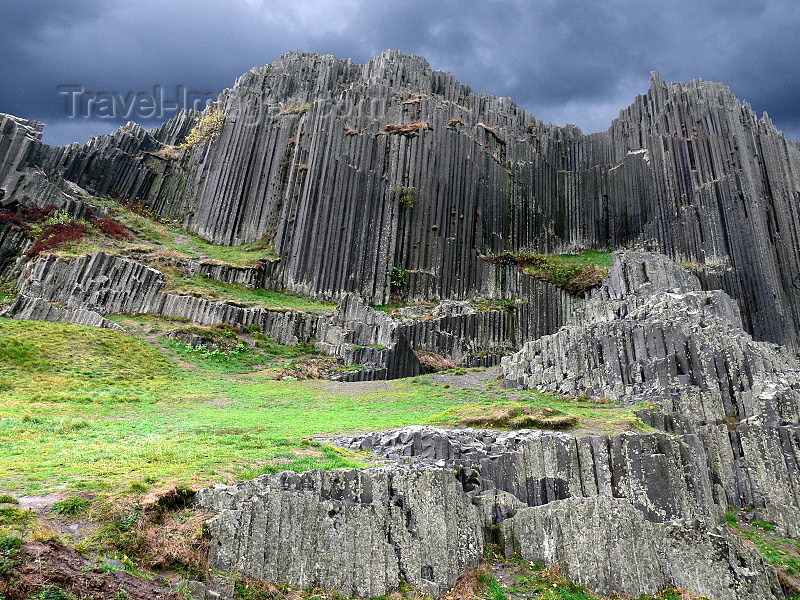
point(576, 61)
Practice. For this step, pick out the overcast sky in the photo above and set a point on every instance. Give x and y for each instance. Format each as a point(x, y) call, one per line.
point(567, 61)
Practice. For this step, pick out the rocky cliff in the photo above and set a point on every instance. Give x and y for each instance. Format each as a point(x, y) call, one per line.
point(352, 170)
point(390, 181)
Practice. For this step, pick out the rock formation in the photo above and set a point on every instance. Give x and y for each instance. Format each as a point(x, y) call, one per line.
point(352, 170)
point(627, 513)
point(391, 181)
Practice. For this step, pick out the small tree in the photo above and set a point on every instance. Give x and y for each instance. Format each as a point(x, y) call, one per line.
point(205, 128)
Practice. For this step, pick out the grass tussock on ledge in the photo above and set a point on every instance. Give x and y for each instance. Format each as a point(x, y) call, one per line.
point(576, 273)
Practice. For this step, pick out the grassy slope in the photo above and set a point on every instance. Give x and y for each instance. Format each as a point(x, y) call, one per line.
point(149, 235)
point(89, 408)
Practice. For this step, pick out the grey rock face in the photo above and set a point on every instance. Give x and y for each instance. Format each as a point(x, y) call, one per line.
point(358, 532)
point(362, 335)
point(36, 309)
point(650, 333)
point(313, 147)
point(606, 544)
point(665, 477)
point(634, 523)
point(99, 284)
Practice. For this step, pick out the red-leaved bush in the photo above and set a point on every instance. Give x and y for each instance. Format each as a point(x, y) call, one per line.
point(25, 217)
point(55, 235)
point(113, 228)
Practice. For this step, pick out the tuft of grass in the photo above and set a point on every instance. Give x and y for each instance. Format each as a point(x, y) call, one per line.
point(509, 415)
point(72, 506)
point(9, 549)
point(575, 273)
point(15, 517)
point(8, 292)
point(531, 409)
point(52, 592)
point(730, 517)
point(490, 587)
point(496, 304)
point(7, 499)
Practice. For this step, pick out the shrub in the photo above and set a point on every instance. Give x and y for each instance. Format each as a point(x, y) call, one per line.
point(55, 235)
point(405, 195)
point(397, 278)
point(113, 228)
point(206, 128)
point(138, 208)
point(24, 218)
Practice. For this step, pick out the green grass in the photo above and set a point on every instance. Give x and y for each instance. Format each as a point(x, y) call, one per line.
point(95, 409)
point(575, 273)
point(198, 285)
point(90, 408)
point(148, 230)
point(245, 255)
point(730, 518)
point(490, 587)
point(72, 506)
point(52, 592)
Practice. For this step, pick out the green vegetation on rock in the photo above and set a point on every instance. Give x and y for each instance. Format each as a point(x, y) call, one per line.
point(203, 287)
point(150, 235)
point(781, 552)
point(575, 273)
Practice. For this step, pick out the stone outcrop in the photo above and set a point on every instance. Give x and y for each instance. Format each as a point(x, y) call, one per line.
point(36, 309)
point(357, 532)
point(84, 290)
point(607, 545)
point(641, 519)
point(665, 477)
point(650, 333)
